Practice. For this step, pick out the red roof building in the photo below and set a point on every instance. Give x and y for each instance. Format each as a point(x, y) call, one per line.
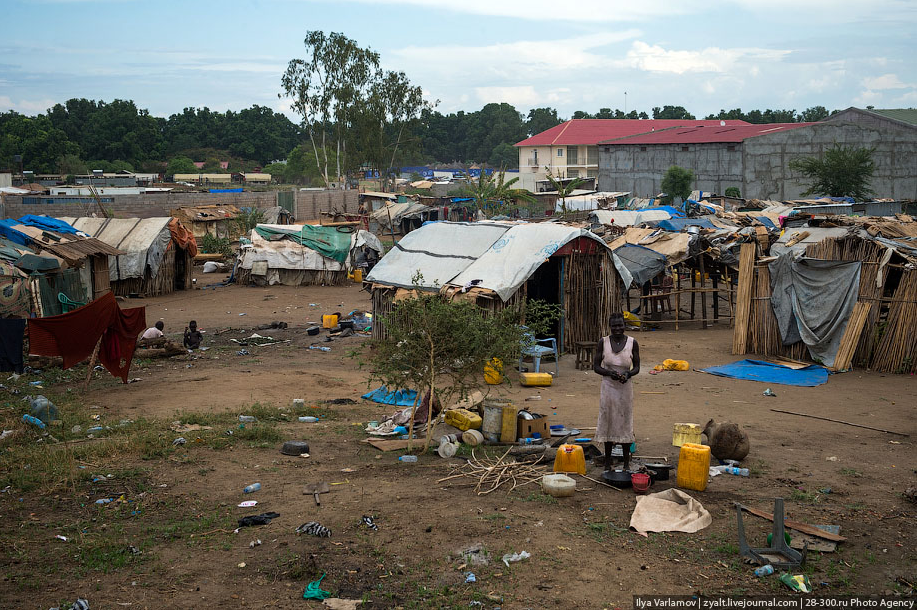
point(701, 134)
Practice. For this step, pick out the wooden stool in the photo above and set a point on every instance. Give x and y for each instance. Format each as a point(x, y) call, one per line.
point(585, 352)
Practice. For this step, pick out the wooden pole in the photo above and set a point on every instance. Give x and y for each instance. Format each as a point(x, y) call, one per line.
point(693, 271)
point(838, 421)
point(716, 299)
point(704, 306)
point(743, 297)
point(678, 291)
point(92, 364)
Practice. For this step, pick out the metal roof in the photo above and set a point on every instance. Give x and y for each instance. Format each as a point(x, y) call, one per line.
point(593, 131)
point(906, 115)
point(706, 134)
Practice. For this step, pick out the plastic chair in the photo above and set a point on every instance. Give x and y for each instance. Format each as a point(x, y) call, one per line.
point(532, 348)
point(66, 304)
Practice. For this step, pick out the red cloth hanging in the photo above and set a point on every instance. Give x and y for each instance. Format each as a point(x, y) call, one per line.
point(74, 335)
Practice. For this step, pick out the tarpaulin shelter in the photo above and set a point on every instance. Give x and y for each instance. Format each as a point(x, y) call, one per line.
point(500, 264)
point(215, 220)
point(157, 253)
point(301, 255)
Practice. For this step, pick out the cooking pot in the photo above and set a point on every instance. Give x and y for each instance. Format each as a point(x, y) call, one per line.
point(658, 472)
point(617, 478)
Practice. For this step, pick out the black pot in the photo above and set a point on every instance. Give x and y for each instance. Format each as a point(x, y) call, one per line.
point(346, 324)
point(617, 478)
point(313, 330)
point(658, 472)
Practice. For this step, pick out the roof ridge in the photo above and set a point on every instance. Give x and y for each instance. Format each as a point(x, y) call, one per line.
point(567, 124)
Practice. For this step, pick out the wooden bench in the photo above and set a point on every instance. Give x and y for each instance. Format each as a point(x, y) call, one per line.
point(585, 351)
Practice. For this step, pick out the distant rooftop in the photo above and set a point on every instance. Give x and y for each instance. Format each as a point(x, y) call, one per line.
point(906, 115)
point(589, 132)
point(706, 134)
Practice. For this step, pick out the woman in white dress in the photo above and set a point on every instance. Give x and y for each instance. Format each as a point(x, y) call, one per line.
point(617, 359)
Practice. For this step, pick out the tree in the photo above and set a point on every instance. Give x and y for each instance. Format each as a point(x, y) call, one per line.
point(842, 171)
point(564, 190)
point(492, 194)
point(71, 164)
point(541, 119)
point(278, 172)
point(180, 165)
point(672, 112)
point(327, 90)
point(35, 139)
point(813, 114)
point(677, 182)
point(732, 191)
point(504, 155)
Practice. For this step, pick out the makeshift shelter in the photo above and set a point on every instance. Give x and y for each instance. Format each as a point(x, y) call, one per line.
point(302, 255)
point(502, 264)
point(858, 287)
point(157, 253)
point(398, 217)
point(215, 220)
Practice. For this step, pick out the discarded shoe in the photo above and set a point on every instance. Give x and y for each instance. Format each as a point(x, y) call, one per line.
point(262, 519)
point(314, 529)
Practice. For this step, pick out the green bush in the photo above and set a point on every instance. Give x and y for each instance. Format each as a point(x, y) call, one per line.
point(216, 245)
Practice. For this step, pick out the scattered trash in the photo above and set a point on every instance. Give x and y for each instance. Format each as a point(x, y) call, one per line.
point(714, 471)
point(314, 528)
point(320, 348)
point(247, 419)
point(59, 537)
point(832, 458)
point(295, 448)
point(104, 500)
point(33, 420)
point(528, 398)
point(242, 352)
point(133, 550)
point(768, 392)
point(262, 519)
point(242, 314)
point(308, 419)
point(179, 441)
point(470, 578)
point(298, 403)
point(765, 570)
point(337, 603)
point(798, 582)
point(43, 409)
point(409, 459)
point(7, 433)
point(251, 488)
point(254, 543)
point(313, 591)
point(240, 565)
point(368, 521)
point(672, 365)
point(475, 555)
point(514, 557)
point(94, 429)
point(75, 430)
point(247, 504)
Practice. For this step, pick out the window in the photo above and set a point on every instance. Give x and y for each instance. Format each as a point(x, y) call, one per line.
point(573, 173)
point(572, 155)
point(535, 156)
point(685, 149)
point(592, 155)
point(731, 148)
point(592, 173)
point(560, 152)
point(643, 149)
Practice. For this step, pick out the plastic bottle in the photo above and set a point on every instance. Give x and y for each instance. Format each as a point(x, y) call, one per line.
point(408, 459)
point(765, 570)
point(741, 472)
point(525, 441)
point(251, 488)
point(247, 419)
point(309, 419)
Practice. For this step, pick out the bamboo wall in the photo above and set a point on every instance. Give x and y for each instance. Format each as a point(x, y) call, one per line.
point(161, 283)
point(887, 343)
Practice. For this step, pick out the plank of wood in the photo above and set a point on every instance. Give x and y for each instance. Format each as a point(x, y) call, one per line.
point(850, 339)
point(388, 444)
point(789, 363)
point(743, 297)
point(761, 234)
point(796, 238)
point(839, 421)
point(796, 525)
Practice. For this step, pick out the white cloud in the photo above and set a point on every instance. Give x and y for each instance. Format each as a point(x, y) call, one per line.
point(654, 58)
point(524, 96)
point(29, 107)
point(886, 81)
point(868, 98)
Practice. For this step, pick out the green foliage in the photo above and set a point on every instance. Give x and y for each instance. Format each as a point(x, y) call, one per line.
point(564, 190)
point(732, 191)
point(247, 220)
point(677, 183)
point(671, 112)
point(216, 245)
point(36, 139)
point(493, 195)
point(504, 155)
point(842, 171)
point(541, 119)
point(180, 165)
point(71, 164)
point(541, 315)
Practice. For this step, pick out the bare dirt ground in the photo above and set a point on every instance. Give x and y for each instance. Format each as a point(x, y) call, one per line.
point(177, 505)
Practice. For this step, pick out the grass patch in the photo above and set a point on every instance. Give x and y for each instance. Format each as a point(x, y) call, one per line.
point(807, 497)
point(851, 472)
point(539, 497)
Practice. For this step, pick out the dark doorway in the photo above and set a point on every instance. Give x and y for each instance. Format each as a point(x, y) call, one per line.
point(545, 284)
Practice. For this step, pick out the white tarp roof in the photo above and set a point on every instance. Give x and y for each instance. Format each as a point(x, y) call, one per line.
point(589, 201)
point(143, 239)
point(816, 235)
point(396, 211)
point(627, 218)
point(287, 254)
point(501, 255)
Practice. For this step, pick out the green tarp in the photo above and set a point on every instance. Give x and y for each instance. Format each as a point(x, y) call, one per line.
point(327, 241)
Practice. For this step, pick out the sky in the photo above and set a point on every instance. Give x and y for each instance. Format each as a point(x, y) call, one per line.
point(565, 54)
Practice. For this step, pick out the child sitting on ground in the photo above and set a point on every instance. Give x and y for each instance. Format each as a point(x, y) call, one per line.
point(193, 337)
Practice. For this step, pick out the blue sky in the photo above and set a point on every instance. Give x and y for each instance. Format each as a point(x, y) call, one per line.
point(570, 55)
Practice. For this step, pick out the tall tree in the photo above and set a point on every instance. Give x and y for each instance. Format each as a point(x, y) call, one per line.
point(813, 114)
point(842, 171)
point(672, 112)
point(564, 190)
point(677, 182)
point(36, 140)
point(541, 119)
point(327, 90)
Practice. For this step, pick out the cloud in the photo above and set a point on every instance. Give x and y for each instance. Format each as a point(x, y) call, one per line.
point(654, 58)
point(868, 98)
point(886, 81)
point(29, 107)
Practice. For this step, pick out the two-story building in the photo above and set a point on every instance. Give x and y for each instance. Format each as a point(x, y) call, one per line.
point(570, 150)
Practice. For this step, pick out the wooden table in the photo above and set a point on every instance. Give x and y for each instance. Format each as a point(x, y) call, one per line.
point(585, 351)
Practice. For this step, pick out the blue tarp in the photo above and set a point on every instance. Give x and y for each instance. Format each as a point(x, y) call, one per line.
point(238, 190)
point(677, 224)
point(674, 212)
point(46, 223)
point(7, 231)
point(400, 398)
point(767, 372)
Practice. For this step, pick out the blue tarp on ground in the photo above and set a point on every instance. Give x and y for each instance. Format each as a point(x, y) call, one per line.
point(767, 372)
point(400, 398)
point(677, 224)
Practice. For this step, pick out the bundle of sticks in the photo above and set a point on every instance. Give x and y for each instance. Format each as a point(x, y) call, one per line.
point(493, 473)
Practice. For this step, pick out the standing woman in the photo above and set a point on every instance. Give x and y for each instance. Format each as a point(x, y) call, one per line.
point(617, 359)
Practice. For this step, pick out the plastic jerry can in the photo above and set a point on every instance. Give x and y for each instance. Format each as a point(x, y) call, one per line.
point(493, 372)
point(686, 433)
point(692, 472)
point(358, 275)
point(508, 424)
point(569, 458)
point(535, 379)
point(463, 419)
point(329, 321)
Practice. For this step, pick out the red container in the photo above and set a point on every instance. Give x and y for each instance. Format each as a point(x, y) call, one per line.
point(640, 482)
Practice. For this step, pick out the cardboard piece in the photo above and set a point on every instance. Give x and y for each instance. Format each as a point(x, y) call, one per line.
point(527, 428)
point(816, 544)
